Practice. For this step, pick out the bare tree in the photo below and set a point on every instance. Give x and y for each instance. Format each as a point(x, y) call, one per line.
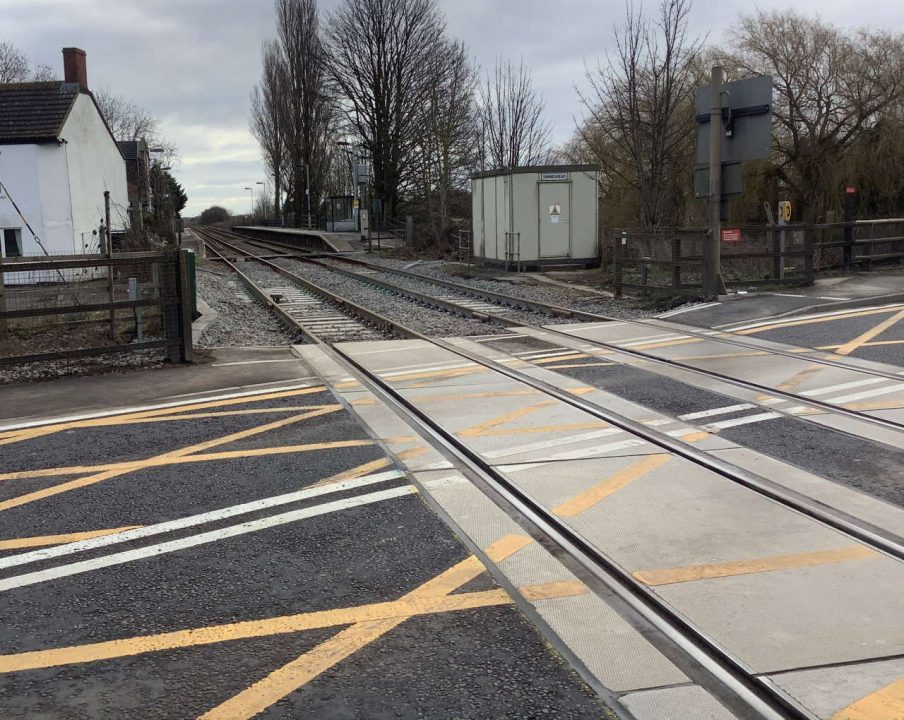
point(269, 117)
point(448, 150)
point(308, 116)
point(16, 66)
point(829, 87)
point(640, 120)
point(127, 120)
point(513, 130)
point(384, 63)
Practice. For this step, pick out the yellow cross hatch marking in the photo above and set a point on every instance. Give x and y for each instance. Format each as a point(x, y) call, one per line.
point(610, 485)
point(864, 338)
point(669, 576)
point(884, 704)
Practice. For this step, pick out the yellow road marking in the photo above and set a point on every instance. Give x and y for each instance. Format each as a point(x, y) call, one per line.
point(665, 343)
point(399, 439)
point(581, 390)
point(481, 428)
point(876, 405)
point(613, 483)
point(811, 321)
point(215, 414)
point(795, 381)
point(45, 540)
point(478, 395)
point(303, 669)
point(721, 356)
point(558, 358)
point(165, 457)
point(545, 429)
point(877, 343)
point(852, 345)
point(438, 374)
point(548, 591)
point(668, 576)
point(100, 422)
point(884, 704)
point(160, 460)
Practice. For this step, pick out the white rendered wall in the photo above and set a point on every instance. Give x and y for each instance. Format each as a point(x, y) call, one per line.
point(35, 176)
point(95, 164)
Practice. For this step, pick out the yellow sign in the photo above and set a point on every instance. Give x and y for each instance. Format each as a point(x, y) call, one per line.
point(784, 210)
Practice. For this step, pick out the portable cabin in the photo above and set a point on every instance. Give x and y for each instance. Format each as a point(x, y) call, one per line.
point(531, 217)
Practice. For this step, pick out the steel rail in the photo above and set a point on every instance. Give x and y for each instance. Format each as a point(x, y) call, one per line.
point(757, 694)
point(729, 379)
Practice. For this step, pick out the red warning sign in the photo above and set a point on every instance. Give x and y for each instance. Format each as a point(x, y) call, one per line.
point(731, 235)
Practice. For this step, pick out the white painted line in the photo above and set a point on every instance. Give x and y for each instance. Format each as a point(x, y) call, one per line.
point(146, 408)
point(428, 367)
point(659, 421)
point(717, 411)
point(534, 355)
point(829, 389)
point(681, 311)
point(576, 454)
point(557, 442)
point(747, 420)
point(826, 297)
point(445, 481)
point(192, 520)
point(796, 318)
point(256, 362)
point(652, 338)
point(865, 394)
point(201, 398)
point(788, 295)
point(202, 539)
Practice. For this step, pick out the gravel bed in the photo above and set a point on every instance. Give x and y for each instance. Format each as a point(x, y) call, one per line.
point(554, 295)
point(432, 289)
point(419, 317)
point(240, 321)
point(97, 365)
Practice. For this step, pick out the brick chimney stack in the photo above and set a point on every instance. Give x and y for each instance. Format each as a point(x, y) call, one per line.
point(75, 68)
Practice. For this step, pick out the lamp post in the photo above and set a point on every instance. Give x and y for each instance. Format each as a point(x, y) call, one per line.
point(251, 214)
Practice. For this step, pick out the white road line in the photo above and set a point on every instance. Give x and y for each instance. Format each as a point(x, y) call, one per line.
point(651, 339)
point(201, 398)
point(204, 538)
point(192, 520)
point(576, 454)
point(788, 295)
point(256, 362)
point(681, 311)
point(796, 318)
point(843, 386)
point(747, 420)
point(826, 297)
point(146, 408)
point(543, 444)
point(717, 411)
point(530, 354)
point(866, 394)
point(429, 367)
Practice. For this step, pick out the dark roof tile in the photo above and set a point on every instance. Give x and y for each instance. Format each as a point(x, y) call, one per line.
point(30, 112)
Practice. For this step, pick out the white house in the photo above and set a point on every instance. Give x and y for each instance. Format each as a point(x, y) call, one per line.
point(57, 157)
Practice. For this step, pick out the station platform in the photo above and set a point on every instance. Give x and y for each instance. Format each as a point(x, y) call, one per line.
point(310, 239)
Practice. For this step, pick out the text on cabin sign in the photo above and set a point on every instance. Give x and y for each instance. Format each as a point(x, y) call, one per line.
point(553, 177)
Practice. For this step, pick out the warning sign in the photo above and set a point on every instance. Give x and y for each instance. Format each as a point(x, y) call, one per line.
point(731, 235)
point(555, 212)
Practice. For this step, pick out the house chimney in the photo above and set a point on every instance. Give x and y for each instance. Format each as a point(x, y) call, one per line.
point(75, 69)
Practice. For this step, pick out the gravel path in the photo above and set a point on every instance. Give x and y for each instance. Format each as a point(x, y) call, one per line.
point(551, 294)
point(240, 322)
point(422, 318)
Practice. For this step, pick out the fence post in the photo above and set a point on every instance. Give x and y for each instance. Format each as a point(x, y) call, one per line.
point(618, 262)
point(809, 250)
point(676, 262)
point(185, 304)
point(850, 216)
point(409, 231)
point(3, 326)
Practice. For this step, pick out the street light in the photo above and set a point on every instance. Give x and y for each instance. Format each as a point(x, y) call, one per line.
point(251, 215)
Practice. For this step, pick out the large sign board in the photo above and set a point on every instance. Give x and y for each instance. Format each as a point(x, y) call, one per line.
point(746, 119)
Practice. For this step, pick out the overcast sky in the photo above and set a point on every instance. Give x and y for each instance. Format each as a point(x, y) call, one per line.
point(193, 62)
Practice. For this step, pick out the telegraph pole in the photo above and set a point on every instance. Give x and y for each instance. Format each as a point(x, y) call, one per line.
point(712, 260)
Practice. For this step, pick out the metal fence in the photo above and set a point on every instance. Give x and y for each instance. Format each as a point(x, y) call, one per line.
point(670, 260)
point(54, 307)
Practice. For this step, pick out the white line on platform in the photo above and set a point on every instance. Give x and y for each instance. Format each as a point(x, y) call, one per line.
point(681, 311)
point(829, 389)
point(192, 520)
point(204, 538)
point(746, 420)
point(145, 408)
point(556, 442)
point(255, 362)
point(866, 394)
point(717, 411)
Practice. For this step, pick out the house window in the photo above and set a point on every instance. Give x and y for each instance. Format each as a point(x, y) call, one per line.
point(12, 242)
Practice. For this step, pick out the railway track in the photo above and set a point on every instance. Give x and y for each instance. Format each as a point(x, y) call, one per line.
point(748, 693)
point(512, 312)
